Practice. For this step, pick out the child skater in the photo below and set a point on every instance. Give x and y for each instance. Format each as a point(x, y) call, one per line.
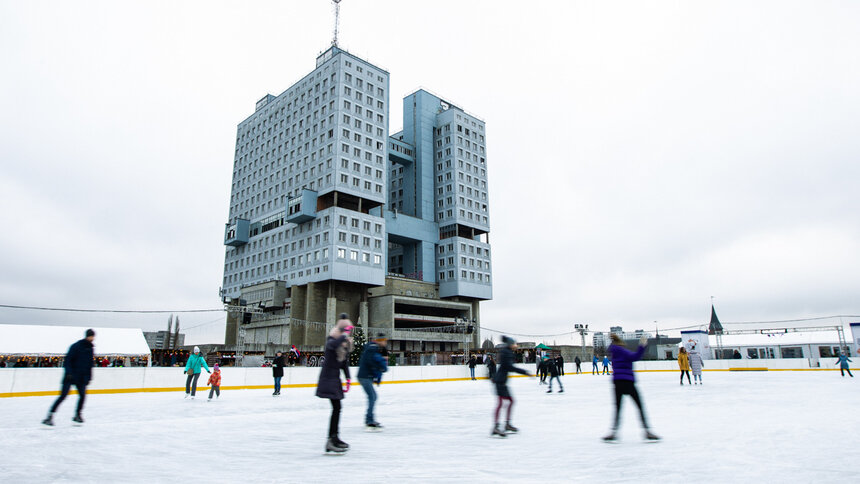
point(625, 382)
point(506, 365)
point(215, 382)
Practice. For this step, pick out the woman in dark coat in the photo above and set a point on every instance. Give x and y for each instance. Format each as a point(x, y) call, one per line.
point(506, 365)
point(337, 348)
point(625, 382)
point(278, 371)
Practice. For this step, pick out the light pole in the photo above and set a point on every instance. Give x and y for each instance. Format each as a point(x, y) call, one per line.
point(581, 329)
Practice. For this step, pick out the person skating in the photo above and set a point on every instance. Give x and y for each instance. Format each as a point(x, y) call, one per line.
point(506, 365)
point(192, 369)
point(578, 365)
point(606, 364)
point(541, 370)
point(371, 366)
point(215, 382)
point(595, 370)
point(625, 382)
point(78, 366)
point(472, 363)
point(553, 368)
point(559, 362)
point(337, 348)
point(684, 363)
point(843, 361)
point(278, 365)
point(295, 356)
point(491, 367)
point(696, 364)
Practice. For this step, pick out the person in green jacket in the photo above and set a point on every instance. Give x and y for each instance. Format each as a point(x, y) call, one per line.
point(192, 369)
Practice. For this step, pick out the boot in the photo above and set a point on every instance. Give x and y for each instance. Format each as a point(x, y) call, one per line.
point(650, 436)
point(49, 420)
point(331, 447)
point(611, 437)
point(77, 418)
point(510, 428)
point(498, 432)
point(187, 395)
point(339, 443)
point(549, 391)
point(561, 391)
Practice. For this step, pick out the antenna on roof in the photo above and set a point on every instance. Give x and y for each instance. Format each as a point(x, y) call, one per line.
point(336, 21)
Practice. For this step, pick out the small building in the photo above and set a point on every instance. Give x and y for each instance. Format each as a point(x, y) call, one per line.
point(814, 345)
point(39, 345)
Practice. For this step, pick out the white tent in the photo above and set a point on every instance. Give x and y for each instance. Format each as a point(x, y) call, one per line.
point(33, 340)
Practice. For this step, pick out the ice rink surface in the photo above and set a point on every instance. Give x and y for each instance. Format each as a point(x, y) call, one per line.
point(752, 427)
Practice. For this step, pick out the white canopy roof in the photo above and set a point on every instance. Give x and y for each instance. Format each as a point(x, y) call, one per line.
point(778, 339)
point(25, 339)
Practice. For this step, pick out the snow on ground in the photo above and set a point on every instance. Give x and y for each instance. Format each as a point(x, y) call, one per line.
point(757, 427)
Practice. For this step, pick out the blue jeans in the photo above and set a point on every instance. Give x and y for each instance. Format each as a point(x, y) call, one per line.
point(367, 384)
point(472, 371)
point(278, 384)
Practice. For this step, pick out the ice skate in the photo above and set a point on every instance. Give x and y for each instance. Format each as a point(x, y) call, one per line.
point(187, 395)
point(510, 428)
point(77, 419)
point(497, 432)
point(373, 427)
point(49, 420)
point(611, 438)
point(336, 441)
point(331, 447)
point(649, 436)
point(549, 391)
point(561, 391)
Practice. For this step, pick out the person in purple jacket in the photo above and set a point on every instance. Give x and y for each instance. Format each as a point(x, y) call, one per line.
point(622, 377)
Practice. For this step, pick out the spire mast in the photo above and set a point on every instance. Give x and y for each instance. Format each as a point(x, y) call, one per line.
point(336, 4)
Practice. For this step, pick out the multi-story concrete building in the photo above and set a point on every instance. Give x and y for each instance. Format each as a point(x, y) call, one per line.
point(329, 214)
point(164, 340)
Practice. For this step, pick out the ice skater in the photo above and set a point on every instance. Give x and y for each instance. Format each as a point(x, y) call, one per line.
point(560, 363)
point(337, 348)
point(578, 365)
point(472, 363)
point(696, 365)
point(506, 365)
point(371, 366)
point(542, 366)
point(278, 365)
point(553, 368)
point(491, 367)
point(192, 369)
point(594, 368)
point(606, 364)
point(215, 382)
point(79, 371)
point(684, 364)
point(843, 361)
point(625, 382)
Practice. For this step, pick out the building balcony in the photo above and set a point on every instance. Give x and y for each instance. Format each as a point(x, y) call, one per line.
point(302, 208)
point(237, 234)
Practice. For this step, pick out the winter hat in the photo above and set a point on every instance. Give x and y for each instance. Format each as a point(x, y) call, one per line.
point(508, 340)
point(343, 316)
point(90, 332)
point(197, 349)
point(217, 368)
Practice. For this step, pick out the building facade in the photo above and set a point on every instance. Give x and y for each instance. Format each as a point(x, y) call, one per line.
point(330, 214)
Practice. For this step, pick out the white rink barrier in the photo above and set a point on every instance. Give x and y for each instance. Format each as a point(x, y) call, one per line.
point(23, 382)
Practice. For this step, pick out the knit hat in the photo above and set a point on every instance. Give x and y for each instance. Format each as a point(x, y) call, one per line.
point(343, 316)
point(508, 340)
point(217, 368)
point(197, 349)
point(90, 332)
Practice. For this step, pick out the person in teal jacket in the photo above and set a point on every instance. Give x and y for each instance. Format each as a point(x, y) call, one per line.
point(606, 364)
point(843, 365)
point(192, 369)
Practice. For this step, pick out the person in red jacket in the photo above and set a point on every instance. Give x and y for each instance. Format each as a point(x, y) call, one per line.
point(215, 382)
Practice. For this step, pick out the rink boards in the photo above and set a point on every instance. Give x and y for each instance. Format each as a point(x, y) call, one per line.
point(26, 382)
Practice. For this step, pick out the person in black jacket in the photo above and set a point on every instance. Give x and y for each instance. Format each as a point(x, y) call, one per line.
point(578, 363)
point(506, 365)
point(542, 371)
point(559, 362)
point(337, 348)
point(491, 367)
point(278, 365)
point(552, 368)
point(79, 372)
point(472, 363)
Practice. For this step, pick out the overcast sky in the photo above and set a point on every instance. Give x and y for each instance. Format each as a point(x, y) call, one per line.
point(642, 156)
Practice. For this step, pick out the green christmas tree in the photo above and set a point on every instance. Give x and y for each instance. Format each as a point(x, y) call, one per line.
point(358, 341)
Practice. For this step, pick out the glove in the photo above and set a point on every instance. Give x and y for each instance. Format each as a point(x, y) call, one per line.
point(643, 341)
point(346, 390)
